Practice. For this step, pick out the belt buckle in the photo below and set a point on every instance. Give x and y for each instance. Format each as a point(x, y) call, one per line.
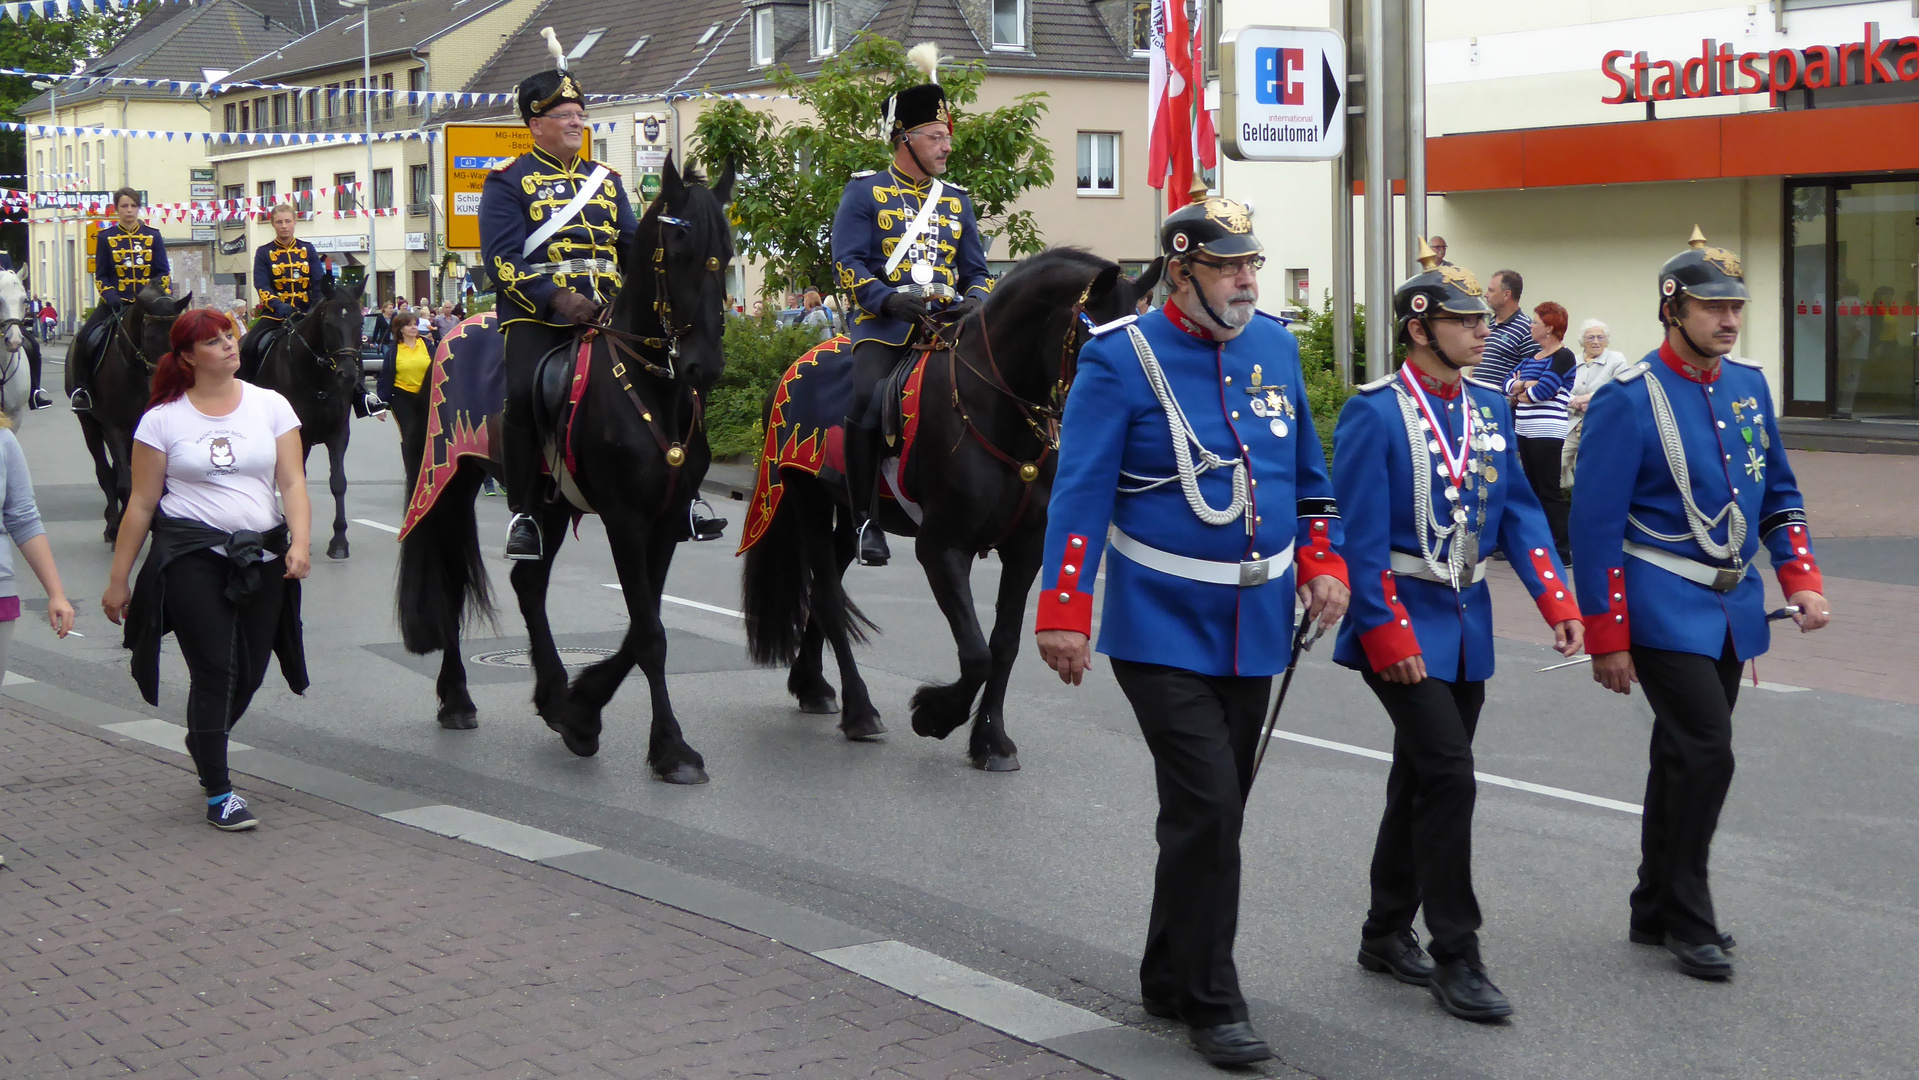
point(1255, 573)
point(1727, 578)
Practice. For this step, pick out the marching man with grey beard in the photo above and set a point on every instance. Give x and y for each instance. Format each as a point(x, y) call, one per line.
point(1188, 434)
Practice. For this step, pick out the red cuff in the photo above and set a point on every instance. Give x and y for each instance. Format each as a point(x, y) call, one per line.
point(1392, 641)
point(1317, 557)
point(1556, 601)
point(1066, 606)
point(1802, 573)
point(1610, 630)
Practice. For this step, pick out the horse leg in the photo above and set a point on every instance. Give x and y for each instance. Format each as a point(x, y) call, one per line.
point(860, 720)
point(939, 710)
point(122, 447)
point(457, 710)
point(103, 473)
point(336, 481)
point(530, 580)
point(990, 747)
point(643, 552)
point(807, 681)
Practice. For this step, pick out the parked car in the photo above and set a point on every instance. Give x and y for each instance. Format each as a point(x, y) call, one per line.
point(372, 356)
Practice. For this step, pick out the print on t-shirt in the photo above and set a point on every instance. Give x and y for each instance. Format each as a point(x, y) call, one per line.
point(220, 454)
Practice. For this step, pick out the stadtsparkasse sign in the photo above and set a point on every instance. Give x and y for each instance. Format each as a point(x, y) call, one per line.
point(1720, 70)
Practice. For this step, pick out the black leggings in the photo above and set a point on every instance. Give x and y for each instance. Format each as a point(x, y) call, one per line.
point(226, 647)
point(1540, 457)
point(409, 411)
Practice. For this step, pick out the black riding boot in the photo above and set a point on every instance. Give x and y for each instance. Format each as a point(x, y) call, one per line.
point(80, 369)
point(862, 448)
point(38, 399)
point(521, 460)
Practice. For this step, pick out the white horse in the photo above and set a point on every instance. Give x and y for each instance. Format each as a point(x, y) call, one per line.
point(15, 376)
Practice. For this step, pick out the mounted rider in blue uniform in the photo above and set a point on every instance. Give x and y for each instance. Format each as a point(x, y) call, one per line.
point(1670, 507)
point(905, 246)
point(552, 226)
point(127, 256)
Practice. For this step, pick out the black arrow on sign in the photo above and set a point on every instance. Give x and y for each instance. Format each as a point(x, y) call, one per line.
point(1330, 97)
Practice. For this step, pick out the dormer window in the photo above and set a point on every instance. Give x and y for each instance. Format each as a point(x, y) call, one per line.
point(638, 44)
point(708, 36)
point(823, 28)
point(763, 37)
point(591, 39)
point(1009, 24)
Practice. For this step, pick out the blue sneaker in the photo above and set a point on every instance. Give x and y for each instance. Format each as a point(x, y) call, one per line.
point(231, 814)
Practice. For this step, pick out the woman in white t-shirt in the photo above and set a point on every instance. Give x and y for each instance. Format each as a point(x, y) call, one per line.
point(224, 569)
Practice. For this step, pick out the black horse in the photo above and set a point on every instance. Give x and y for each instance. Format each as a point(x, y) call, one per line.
point(639, 455)
point(135, 340)
point(982, 471)
point(315, 363)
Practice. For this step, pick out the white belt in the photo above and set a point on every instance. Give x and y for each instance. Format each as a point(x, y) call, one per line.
point(938, 290)
point(1243, 574)
point(576, 266)
point(1413, 566)
point(1718, 578)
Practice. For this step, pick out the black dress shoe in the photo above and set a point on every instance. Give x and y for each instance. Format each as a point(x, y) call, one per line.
point(1641, 936)
point(523, 538)
point(1464, 990)
point(873, 549)
point(39, 399)
point(1230, 1044)
point(1163, 1007)
point(1398, 955)
point(1706, 961)
point(81, 401)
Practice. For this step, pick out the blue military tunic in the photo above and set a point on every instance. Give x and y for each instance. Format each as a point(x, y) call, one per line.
point(1396, 615)
point(289, 274)
point(875, 212)
point(516, 200)
point(1624, 493)
point(125, 261)
point(1245, 401)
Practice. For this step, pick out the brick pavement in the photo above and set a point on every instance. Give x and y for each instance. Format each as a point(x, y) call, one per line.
point(329, 943)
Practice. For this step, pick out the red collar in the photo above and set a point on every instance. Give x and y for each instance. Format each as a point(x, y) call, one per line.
point(1687, 369)
point(1181, 320)
point(1443, 391)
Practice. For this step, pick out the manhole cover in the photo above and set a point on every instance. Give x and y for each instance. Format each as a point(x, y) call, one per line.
point(523, 658)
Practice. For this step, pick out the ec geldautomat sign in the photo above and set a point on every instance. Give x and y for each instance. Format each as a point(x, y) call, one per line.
point(1281, 94)
point(1719, 69)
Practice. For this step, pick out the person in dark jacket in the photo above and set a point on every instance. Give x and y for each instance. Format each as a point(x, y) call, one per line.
point(402, 384)
point(207, 458)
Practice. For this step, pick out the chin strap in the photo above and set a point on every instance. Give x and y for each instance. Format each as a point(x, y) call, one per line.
point(1432, 343)
point(1672, 320)
point(907, 139)
point(1200, 295)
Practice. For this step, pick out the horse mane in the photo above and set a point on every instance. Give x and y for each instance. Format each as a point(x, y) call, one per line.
point(1036, 273)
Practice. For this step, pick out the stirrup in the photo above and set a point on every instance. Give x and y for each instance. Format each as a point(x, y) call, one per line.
point(39, 399)
point(872, 544)
point(709, 527)
point(523, 553)
point(80, 400)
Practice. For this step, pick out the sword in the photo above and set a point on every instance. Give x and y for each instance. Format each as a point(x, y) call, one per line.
point(1775, 615)
point(1301, 644)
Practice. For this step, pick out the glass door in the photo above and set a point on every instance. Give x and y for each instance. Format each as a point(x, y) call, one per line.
point(1853, 307)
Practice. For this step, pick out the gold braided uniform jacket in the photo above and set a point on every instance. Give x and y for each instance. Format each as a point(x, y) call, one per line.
point(125, 262)
point(517, 200)
point(288, 274)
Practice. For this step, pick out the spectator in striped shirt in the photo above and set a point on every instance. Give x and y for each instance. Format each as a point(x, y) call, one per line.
point(1541, 389)
point(1511, 340)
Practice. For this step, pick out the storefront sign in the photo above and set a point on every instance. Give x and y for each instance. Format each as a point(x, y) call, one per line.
point(338, 243)
point(1280, 94)
point(204, 232)
point(1719, 70)
point(416, 241)
point(200, 183)
point(234, 246)
point(472, 151)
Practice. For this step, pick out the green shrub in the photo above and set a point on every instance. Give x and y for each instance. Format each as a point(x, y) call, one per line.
point(1324, 388)
point(758, 351)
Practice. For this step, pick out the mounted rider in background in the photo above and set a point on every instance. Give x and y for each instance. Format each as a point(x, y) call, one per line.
point(287, 274)
point(905, 246)
point(127, 256)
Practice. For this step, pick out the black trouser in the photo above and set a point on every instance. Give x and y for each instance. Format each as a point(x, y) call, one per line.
point(227, 648)
point(1692, 698)
point(1540, 457)
point(872, 362)
point(1424, 854)
point(526, 343)
point(1203, 731)
point(409, 411)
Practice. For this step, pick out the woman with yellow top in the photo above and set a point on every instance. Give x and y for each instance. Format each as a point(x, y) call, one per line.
point(401, 383)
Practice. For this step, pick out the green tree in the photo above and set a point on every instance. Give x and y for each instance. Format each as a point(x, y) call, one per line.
point(1325, 390)
point(791, 174)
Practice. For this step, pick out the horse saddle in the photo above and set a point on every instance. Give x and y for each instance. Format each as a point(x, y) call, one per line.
point(554, 395)
point(888, 396)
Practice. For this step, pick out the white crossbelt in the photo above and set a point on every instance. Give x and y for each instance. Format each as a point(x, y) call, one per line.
point(1243, 574)
point(916, 227)
point(576, 266)
point(1718, 578)
point(1414, 566)
point(568, 212)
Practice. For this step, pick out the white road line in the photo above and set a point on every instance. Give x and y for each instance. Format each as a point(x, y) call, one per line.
point(1485, 778)
point(683, 602)
point(1781, 688)
point(380, 525)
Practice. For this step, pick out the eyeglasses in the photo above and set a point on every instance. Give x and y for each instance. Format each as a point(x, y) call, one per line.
point(1232, 267)
point(565, 117)
point(1470, 322)
point(936, 140)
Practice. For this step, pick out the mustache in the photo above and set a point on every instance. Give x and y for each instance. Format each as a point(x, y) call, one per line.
point(1244, 296)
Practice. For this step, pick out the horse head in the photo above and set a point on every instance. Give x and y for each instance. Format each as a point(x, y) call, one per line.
point(331, 335)
point(13, 310)
point(150, 319)
point(676, 268)
point(1045, 308)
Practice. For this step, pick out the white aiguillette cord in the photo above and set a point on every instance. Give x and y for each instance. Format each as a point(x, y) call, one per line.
point(1455, 463)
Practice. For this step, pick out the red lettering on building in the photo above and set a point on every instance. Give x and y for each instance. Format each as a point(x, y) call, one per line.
point(1718, 70)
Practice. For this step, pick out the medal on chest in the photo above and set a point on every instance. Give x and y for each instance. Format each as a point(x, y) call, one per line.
point(922, 271)
point(1270, 402)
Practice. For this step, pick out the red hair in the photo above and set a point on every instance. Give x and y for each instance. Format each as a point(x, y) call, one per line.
point(173, 376)
point(1554, 317)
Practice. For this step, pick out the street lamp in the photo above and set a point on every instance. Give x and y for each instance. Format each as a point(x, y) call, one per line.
point(366, 104)
point(60, 282)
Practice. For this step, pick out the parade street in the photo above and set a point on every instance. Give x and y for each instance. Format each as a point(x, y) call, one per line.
point(1042, 877)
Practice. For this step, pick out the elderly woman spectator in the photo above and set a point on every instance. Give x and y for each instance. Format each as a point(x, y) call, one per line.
point(816, 315)
point(1541, 389)
point(1598, 365)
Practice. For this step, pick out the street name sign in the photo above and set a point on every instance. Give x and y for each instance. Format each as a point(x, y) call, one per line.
point(1282, 94)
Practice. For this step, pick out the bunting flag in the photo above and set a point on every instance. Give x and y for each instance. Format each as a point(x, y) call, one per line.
point(257, 138)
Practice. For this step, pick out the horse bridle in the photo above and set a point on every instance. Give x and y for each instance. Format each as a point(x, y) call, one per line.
point(1042, 419)
point(331, 359)
point(120, 327)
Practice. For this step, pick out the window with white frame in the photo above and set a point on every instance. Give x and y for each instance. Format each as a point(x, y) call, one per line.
point(763, 37)
point(100, 163)
point(1142, 27)
point(1009, 24)
point(823, 28)
point(1099, 163)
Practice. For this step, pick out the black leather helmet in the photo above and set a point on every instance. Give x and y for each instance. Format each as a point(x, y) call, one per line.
point(1438, 287)
point(1702, 272)
point(1214, 225)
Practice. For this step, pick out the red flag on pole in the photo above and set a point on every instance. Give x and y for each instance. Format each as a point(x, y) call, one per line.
point(1204, 140)
point(1170, 152)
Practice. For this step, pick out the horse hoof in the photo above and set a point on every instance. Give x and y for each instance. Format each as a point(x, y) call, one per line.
point(555, 726)
point(932, 728)
point(337, 550)
point(865, 728)
point(684, 773)
point(997, 763)
point(585, 744)
point(459, 719)
point(820, 706)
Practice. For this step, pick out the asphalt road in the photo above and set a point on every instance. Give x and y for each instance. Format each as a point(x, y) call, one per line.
point(1043, 876)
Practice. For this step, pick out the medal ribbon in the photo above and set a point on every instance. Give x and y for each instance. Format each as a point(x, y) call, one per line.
point(1455, 464)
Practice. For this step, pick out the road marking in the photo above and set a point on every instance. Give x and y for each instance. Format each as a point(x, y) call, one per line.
point(1484, 778)
point(163, 734)
point(14, 678)
point(380, 525)
point(682, 601)
point(1781, 688)
point(488, 831)
point(1021, 1013)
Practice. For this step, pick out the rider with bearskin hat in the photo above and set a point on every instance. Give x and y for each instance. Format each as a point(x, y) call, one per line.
point(905, 246)
point(552, 226)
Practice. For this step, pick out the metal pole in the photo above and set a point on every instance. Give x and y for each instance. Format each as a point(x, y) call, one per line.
point(366, 103)
point(1342, 277)
point(1379, 200)
point(1415, 131)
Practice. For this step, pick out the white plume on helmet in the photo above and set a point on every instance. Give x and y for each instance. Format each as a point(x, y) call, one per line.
point(926, 57)
point(553, 47)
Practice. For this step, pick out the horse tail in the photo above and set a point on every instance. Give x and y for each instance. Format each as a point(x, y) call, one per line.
point(443, 582)
point(775, 588)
